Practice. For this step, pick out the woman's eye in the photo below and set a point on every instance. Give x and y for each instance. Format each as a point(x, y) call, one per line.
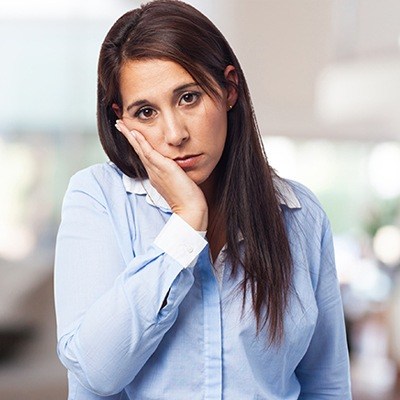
point(189, 98)
point(145, 113)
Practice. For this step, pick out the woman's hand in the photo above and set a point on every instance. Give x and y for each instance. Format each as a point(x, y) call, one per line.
point(183, 195)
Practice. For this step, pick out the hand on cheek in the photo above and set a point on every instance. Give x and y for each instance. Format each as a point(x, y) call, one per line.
point(183, 196)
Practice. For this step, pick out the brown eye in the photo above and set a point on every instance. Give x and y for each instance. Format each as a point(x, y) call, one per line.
point(190, 98)
point(145, 113)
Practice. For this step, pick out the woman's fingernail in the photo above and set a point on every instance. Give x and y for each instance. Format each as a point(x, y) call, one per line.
point(117, 126)
point(133, 133)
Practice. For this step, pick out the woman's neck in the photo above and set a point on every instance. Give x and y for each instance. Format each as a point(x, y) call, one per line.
point(209, 188)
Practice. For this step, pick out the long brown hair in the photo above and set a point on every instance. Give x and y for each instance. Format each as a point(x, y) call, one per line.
point(173, 30)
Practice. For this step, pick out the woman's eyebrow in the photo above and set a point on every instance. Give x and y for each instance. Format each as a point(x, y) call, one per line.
point(138, 103)
point(185, 86)
point(143, 102)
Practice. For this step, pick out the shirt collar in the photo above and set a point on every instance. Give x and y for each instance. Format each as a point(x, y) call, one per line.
point(286, 195)
point(144, 187)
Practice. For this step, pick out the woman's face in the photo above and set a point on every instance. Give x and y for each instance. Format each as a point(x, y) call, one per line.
point(161, 100)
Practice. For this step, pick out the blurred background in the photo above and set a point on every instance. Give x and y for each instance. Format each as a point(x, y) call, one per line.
point(325, 80)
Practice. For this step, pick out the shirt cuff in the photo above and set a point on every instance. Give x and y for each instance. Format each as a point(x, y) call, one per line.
point(180, 241)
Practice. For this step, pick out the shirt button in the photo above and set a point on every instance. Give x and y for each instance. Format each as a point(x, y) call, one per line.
point(189, 249)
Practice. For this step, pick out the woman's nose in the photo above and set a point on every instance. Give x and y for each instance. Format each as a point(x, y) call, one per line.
point(174, 129)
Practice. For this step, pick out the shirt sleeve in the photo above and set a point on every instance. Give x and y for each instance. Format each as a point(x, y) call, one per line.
point(179, 240)
point(324, 370)
point(111, 314)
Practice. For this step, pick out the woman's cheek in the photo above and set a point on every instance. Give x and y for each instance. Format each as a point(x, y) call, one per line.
point(155, 140)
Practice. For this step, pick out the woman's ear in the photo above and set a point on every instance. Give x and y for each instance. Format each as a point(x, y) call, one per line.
point(117, 110)
point(233, 81)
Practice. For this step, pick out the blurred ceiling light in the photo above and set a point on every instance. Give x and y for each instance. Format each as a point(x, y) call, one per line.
point(386, 245)
point(384, 167)
point(370, 282)
point(346, 256)
point(281, 153)
point(360, 91)
point(16, 242)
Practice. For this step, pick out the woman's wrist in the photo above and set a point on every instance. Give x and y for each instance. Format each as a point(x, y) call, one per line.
point(197, 220)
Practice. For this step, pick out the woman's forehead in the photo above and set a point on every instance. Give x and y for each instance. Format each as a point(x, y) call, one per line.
point(148, 76)
point(153, 77)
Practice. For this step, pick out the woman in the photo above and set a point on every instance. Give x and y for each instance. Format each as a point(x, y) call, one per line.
point(185, 268)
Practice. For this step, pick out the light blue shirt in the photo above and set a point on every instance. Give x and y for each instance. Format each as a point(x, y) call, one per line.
point(120, 254)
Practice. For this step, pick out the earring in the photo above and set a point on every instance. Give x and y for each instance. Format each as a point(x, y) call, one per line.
point(230, 107)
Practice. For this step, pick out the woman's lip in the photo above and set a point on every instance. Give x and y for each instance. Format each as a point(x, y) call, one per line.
point(187, 162)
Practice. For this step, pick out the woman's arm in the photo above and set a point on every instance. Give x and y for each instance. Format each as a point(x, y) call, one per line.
point(109, 312)
point(324, 370)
